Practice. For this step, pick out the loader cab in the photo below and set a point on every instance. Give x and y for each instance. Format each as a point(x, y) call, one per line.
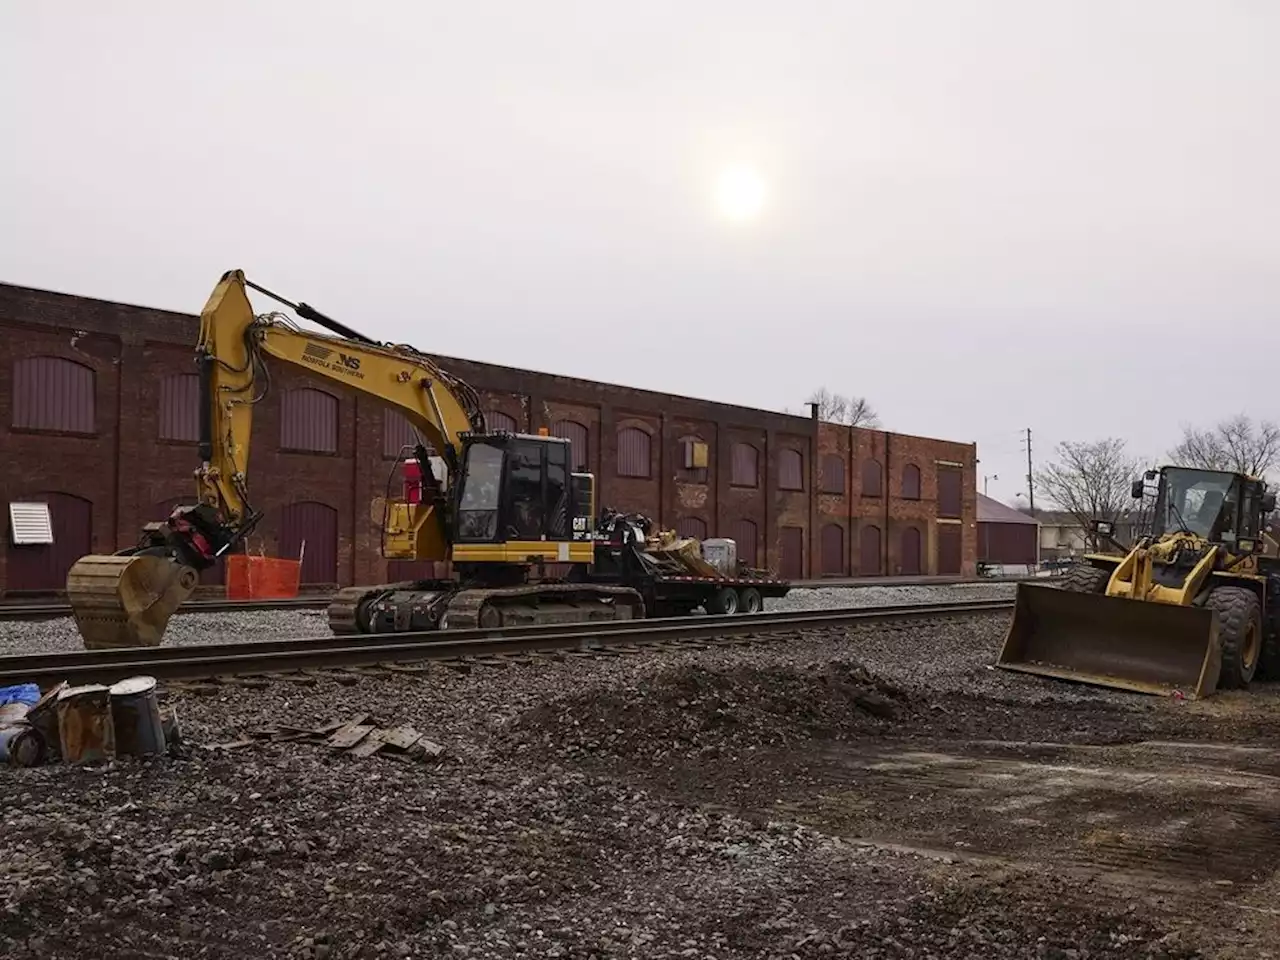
point(1214, 505)
point(515, 487)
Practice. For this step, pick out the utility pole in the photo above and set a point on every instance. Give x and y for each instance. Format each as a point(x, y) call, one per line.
point(1031, 489)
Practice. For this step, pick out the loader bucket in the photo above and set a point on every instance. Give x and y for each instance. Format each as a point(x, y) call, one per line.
point(1138, 645)
point(126, 601)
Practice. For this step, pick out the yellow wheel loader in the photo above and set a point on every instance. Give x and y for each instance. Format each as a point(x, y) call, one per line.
point(1191, 607)
point(507, 505)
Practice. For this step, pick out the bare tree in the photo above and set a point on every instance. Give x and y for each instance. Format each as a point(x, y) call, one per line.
point(1235, 444)
point(849, 410)
point(1090, 481)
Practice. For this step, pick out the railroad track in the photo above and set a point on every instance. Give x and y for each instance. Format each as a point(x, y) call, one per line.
point(52, 610)
point(274, 657)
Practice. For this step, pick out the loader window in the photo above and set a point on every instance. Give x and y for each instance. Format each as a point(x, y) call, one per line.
point(481, 489)
point(1200, 502)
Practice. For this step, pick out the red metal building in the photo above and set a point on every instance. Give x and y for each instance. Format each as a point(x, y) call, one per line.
point(1005, 536)
point(98, 418)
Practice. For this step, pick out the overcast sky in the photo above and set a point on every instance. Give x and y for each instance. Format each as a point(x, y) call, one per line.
point(982, 215)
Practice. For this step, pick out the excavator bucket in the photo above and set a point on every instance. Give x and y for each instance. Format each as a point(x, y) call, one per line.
point(1138, 645)
point(126, 601)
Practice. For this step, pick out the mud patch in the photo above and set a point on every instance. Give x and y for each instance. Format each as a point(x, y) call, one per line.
point(695, 710)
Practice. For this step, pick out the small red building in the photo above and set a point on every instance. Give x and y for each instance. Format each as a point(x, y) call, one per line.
point(1006, 537)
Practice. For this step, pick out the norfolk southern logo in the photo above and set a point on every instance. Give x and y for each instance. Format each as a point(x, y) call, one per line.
point(321, 356)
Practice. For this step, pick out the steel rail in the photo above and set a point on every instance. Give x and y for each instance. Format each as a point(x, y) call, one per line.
point(272, 656)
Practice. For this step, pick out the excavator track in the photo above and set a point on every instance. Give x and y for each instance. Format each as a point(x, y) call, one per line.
point(393, 607)
point(537, 603)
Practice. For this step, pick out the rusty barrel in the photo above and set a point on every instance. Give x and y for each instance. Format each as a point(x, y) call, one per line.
point(21, 746)
point(135, 713)
point(44, 718)
point(85, 730)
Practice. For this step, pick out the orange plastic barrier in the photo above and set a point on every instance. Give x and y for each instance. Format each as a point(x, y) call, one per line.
point(262, 578)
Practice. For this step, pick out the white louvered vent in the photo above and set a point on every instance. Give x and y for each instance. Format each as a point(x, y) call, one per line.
point(30, 523)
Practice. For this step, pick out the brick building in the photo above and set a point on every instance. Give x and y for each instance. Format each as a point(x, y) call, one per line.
point(98, 418)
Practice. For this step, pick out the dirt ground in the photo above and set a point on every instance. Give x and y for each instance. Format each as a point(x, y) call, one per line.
point(877, 794)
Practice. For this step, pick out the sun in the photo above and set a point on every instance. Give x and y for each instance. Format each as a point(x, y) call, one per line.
point(740, 193)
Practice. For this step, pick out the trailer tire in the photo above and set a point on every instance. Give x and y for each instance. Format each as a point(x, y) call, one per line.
point(1240, 633)
point(1086, 578)
point(750, 601)
point(725, 601)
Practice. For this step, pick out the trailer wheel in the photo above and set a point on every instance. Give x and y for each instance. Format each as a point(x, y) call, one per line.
point(1240, 630)
point(725, 601)
point(750, 600)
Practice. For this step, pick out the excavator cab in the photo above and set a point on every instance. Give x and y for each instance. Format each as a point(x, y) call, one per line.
point(1190, 607)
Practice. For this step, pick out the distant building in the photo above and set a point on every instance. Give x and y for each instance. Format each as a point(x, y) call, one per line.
point(1006, 537)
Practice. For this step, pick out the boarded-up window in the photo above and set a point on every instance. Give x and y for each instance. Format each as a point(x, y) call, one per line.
point(950, 497)
point(180, 407)
point(42, 567)
point(791, 544)
point(694, 527)
point(949, 549)
point(50, 393)
point(832, 473)
point(498, 422)
point(911, 552)
point(633, 452)
point(397, 433)
point(869, 559)
point(790, 470)
point(872, 478)
point(745, 468)
point(577, 434)
point(310, 529)
point(694, 457)
point(743, 533)
point(910, 482)
point(833, 550)
point(309, 421)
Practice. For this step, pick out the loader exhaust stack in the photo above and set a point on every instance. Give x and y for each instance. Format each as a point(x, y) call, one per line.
point(127, 601)
point(1136, 645)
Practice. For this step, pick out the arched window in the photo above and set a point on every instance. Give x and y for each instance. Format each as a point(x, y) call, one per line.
point(832, 473)
point(746, 466)
point(744, 534)
point(790, 470)
point(833, 550)
point(309, 421)
point(397, 433)
point(577, 434)
point(180, 407)
point(910, 482)
point(869, 560)
point(911, 553)
point(694, 459)
point(694, 527)
point(499, 422)
point(872, 478)
point(315, 525)
point(50, 393)
point(633, 452)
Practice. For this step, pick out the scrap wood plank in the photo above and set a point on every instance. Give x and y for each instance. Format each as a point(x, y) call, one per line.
point(370, 745)
point(232, 745)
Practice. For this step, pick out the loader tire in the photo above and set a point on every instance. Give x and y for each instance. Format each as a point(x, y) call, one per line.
point(1085, 578)
point(1239, 632)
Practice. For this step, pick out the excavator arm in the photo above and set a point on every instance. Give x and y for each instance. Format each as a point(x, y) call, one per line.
point(126, 599)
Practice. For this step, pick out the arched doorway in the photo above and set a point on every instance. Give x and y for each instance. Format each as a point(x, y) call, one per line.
point(911, 552)
point(316, 524)
point(869, 552)
point(42, 567)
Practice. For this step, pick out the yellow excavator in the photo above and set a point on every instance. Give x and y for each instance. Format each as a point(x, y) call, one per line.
point(508, 504)
point(1191, 607)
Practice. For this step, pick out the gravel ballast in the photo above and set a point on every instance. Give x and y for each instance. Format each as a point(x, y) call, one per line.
point(690, 804)
point(60, 635)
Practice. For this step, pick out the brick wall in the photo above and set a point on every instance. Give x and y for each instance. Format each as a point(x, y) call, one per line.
point(125, 470)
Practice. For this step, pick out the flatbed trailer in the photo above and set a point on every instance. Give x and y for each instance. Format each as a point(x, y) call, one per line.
point(669, 590)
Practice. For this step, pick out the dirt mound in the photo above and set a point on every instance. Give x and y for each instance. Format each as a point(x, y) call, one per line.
point(696, 710)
